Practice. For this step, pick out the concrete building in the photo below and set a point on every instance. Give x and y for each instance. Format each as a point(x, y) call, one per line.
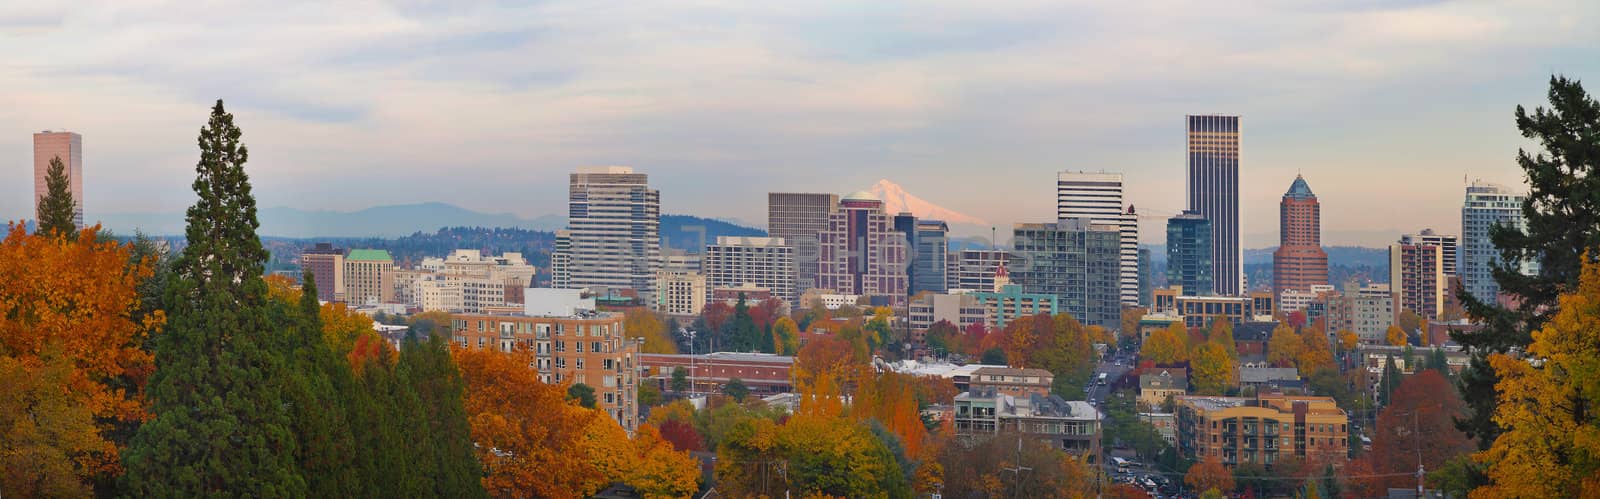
point(613, 231)
point(1449, 247)
point(1190, 265)
point(1158, 385)
point(572, 344)
point(1075, 260)
point(1487, 205)
point(1099, 197)
point(1266, 430)
point(326, 265)
point(974, 270)
point(861, 253)
point(960, 310)
point(1299, 263)
point(1294, 300)
point(1010, 303)
point(1213, 143)
point(1166, 424)
point(367, 277)
point(68, 146)
point(1416, 275)
point(681, 292)
point(673, 259)
point(799, 219)
point(827, 298)
point(1071, 426)
point(483, 281)
point(764, 262)
point(1200, 311)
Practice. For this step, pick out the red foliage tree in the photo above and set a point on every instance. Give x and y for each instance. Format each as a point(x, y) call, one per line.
point(682, 435)
point(716, 314)
point(1419, 421)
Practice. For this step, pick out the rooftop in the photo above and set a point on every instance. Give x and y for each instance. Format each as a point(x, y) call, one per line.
point(1266, 374)
point(1299, 189)
point(1012, 371)
point(369, 255)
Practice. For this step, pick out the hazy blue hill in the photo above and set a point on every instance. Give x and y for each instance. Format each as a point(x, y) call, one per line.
point(377, 221)
point(685, 231)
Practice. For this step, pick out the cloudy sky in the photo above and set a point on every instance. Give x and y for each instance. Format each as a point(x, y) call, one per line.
point(1383, 106)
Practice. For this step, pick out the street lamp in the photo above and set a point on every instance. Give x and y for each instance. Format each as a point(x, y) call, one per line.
point(689, 334)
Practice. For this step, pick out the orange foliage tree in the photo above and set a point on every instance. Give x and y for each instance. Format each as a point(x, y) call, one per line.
point(1209, 474)
point(891, 398)
point(77, 296)
point(1418, 423)
point(530, 440)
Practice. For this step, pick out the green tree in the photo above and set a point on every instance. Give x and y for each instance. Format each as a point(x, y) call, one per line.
point(1562, 222)
point(57, 209)
point(583, 394)
point(447, 455)
point(649, 395)
point(680, 380)
point(993, 357)
point(318, 384)
point(736, 389)
point(1390, 381)
point(221, 423)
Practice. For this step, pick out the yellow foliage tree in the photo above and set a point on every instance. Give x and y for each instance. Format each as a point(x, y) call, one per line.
point(1314, 352)
point(642, 323)
point(1395, 336)
point(45, 431)
point(530, 441)
point(1211, 369)
point(1348, 340)
point(1284, 346)
point(661, 471)
point(785, 336)
point(75, 296)
point(1551, 443)
point(1166, 346)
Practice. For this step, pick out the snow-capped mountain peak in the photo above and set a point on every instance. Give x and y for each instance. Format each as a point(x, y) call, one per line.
point(896, 200)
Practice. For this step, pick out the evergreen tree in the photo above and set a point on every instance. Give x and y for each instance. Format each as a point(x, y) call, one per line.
point(1563, 222)
point(743, 336)
point(736, 389)
point(221, 424)
point(428, 369)
point(57, 209)
point(680, 380)
point(319, 381)
point(582, 394)
point(1390, 380)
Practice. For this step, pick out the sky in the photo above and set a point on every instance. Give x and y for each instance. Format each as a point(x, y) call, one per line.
point(1384, 107)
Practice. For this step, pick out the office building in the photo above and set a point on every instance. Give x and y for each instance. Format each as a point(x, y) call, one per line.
point(1010, 303)
point(799, 218)
point(681, 292)
point(929, 242)
point(68, 146)
point(1294, 300)
point(326, 265)
point(1448, 246)
point(1099, 197)
point(1214, 193)
point(1416, 274)
point(613, 230)
point(861, 253)
point(368, 277)
point(1200, 311)
point(974, 270)
point(1265, 430)
point(1146, 277)
point(1487, 205)
point(1189, 262)
point(1366, 311)
point(762, 262)
point(960, 310)
point(483, 281)
point(571, 342)
point(1299, 262)
point(1075, 260)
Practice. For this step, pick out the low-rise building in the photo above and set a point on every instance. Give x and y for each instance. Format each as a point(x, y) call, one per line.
point(571, 341)
point(828, 298)
point(1071, 426)
point(1265, 379)
point(1266, 429)
point(1013, 381)
point(763, 373)
point(1157, 385)
point(1199, 311)
point(680, 292)
point(1166, 424)
point(1010, 303)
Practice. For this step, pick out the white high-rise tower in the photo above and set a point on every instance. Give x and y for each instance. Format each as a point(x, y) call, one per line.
point(1098, 197)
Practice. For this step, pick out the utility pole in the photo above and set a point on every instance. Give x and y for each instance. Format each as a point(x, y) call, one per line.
point(1417, 434)
point(1016, 483)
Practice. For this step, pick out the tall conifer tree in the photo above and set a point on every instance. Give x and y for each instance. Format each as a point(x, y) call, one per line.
point(221, 424)
point(57, 209)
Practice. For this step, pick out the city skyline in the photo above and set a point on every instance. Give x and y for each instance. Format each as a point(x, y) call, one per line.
point(1365, 90)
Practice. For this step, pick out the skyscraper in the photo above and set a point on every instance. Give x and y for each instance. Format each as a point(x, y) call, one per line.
point(1098, 197)
point(1146, 277)
point(1299, 262)
point(1416, 274)
point(1189, 262)
point(613, 231)
point(798, 218)
point(929, 246)
point(1214, 193)
point(1447, 244)
point(1486, 205)
point(68, 146)
point(860, 253)
point(974, 270)
point(1076, 261)
point(763, 262)
point(326, 265)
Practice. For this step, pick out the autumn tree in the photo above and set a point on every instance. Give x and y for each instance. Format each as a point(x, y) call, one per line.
point(1550, 446)
point(1314, 352)
point(943, 338)
point(1166, 346)
point(1409, 321)
point(642, 323)
point(785, 337)
point(660, 470)
point(529, 439)
point(1419, 423)
point(1561, 222)
point(1348, 340)
point(1283, 348)
point(46, 430)
point(987, 469)
point(218, 379)
point(57, 210)
point(891, 399)
point(1395, 336)
point(1221, 332)
point(1212, 369)
point(78, 296)
point(1209, 474)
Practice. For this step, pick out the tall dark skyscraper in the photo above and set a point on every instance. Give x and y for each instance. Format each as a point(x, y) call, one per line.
point(1213, 142)
point(1189, 261)
point(798, 218)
